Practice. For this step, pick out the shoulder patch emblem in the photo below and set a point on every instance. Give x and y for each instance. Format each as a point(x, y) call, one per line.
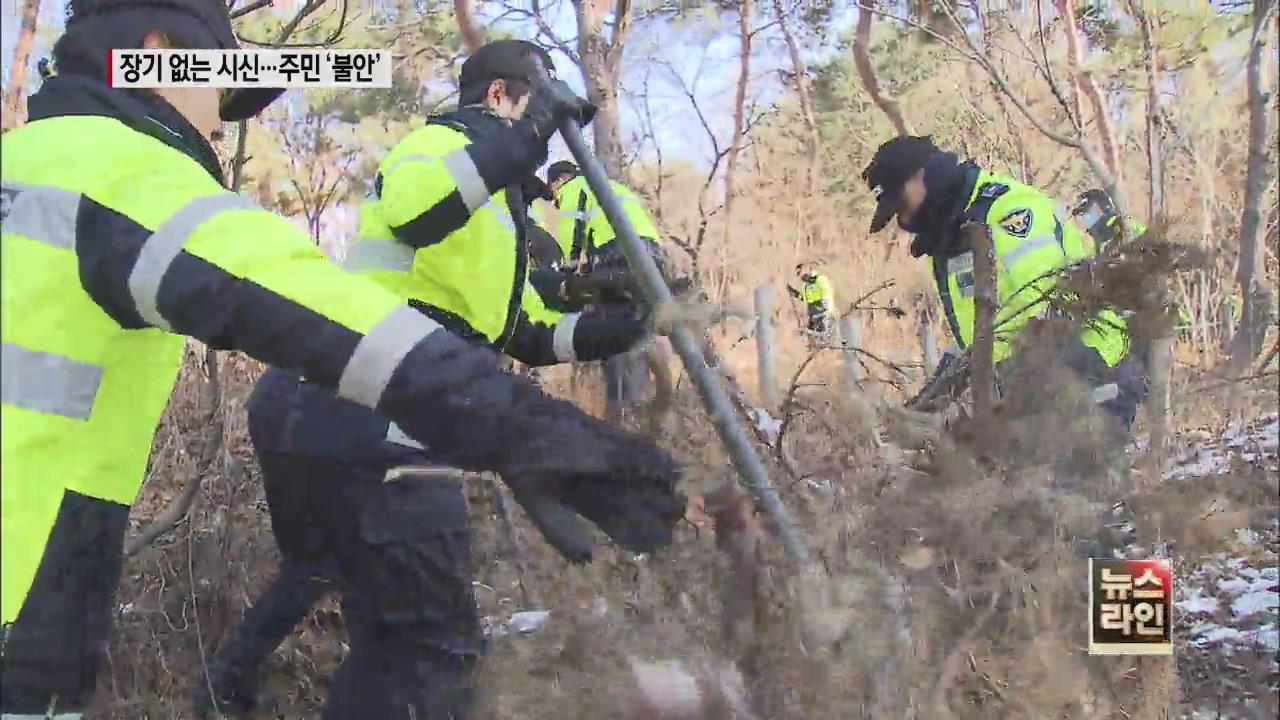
point(1017, 223)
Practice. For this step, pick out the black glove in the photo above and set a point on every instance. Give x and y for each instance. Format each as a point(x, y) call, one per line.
point(551, 104)
point(533, 188)
point(624, 484)
point(558, 461)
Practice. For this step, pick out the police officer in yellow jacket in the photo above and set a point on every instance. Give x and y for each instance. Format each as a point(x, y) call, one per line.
point(446, 230)
point(585, 234)
point(932, 193)
point(588, 249)
point(119, 238)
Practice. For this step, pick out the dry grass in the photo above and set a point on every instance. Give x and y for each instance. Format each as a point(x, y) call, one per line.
point(949, 582)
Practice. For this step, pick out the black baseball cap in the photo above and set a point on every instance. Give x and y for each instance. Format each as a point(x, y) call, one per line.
point(237, 103)
point(496, 60)
point(561, 167)
point(894, 163)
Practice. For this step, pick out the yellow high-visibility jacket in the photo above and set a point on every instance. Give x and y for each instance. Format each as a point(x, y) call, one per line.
point(118, 239)
point(583, 227)
point(1031, 244)
point(446, 230)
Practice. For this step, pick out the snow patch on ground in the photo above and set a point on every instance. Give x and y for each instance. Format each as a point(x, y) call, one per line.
point(1255, 443)
point(1227, 605)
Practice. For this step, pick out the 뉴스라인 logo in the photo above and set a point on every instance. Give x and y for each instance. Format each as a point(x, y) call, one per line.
point(1130, 607)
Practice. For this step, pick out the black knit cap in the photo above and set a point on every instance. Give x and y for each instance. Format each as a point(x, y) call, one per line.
point(894, 163)
point(500, 59)
point(238, 103)
point(560, 168)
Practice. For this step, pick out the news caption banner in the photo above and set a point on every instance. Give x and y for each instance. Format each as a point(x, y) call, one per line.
point(1130, 607)
point(302, 68)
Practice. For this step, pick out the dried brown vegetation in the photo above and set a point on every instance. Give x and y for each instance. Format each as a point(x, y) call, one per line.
point(949, 582)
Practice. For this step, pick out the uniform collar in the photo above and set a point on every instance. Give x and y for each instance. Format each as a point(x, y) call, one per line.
point(943, 210)
point(147, 113)
point(474, 119)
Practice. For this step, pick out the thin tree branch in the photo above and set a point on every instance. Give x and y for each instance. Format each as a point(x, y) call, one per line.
point(256, 5)
point(862, 61)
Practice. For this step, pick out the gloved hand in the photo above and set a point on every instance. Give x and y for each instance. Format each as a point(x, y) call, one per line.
point(624, 484)
point(559, 462)
point(533, 188)
point(552, 103)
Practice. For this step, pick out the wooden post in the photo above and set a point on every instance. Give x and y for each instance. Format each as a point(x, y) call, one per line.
point(764, 348)
point(982, 381)
point(1158, 408)
point(849, 343)
point(928, 345)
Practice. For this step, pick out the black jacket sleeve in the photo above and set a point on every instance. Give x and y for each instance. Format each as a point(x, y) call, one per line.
point(426, 193)
point(223, 271)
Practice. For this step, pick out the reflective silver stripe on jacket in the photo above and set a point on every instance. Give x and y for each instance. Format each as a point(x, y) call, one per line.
point(160, 250)
point(1024, 248)
point(368, 254)
point(378, 354)
point(45, 716)
point(501, 214)
point(41, 213)
point(411, 158)
point(48, 383)
point(462, 170)
point(466, 176)
point(562, 338)
point(400, 437)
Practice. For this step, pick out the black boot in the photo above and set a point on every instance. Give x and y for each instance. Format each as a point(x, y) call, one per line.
point(236, 670)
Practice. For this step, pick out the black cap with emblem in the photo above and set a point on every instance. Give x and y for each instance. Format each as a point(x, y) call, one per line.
point(236, 104)
point(894, 163)
point(561, 168)
point(500, 59)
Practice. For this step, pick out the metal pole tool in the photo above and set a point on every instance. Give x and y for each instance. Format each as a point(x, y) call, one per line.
point(751, 471)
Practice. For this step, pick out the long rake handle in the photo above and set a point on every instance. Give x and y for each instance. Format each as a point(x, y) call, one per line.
point(752, 473)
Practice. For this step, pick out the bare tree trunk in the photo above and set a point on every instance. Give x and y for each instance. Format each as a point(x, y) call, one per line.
point(739, 108)
point(982, 383)
point(1155, 155)
point(802, 79)
point(601, 61)
point(1250, 332)
point(862, 59)
point(13, 115)
point(471, 33)
point(1088, 85)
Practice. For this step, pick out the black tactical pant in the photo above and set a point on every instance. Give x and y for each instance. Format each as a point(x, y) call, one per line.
point(819, 319)
point(398, 553)
point(49, 656)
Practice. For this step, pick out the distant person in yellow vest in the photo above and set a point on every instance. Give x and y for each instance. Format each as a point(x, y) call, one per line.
point(819, 299)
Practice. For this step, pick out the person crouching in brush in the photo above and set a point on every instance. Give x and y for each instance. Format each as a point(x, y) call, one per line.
point(933, 193)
